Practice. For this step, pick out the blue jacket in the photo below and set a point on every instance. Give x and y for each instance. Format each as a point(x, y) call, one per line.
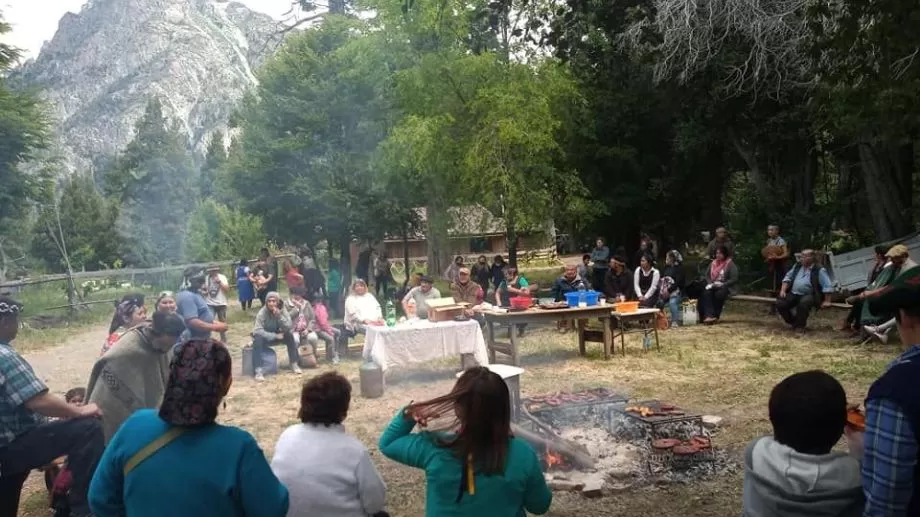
point(210, 471)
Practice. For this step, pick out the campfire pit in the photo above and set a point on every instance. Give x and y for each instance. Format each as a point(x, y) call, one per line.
point(595, 440)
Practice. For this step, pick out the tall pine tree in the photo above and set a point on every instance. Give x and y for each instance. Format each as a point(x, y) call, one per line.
point(156, 182)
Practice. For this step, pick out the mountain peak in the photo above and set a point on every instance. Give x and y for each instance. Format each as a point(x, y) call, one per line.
point(106, 62)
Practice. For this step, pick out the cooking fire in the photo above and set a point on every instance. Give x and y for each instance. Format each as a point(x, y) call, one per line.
point(597, 441)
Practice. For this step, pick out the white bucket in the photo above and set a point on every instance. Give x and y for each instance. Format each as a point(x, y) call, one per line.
point(690, 314)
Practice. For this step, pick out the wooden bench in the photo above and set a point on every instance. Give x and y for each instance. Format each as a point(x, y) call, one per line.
point(768, 300)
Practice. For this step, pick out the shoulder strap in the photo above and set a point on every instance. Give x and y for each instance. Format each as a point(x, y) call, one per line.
point(151, 448)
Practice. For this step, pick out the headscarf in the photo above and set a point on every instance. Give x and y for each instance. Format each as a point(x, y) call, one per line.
point(197, 375)
point(124, 309)
point(9, 306)
point(675, 257)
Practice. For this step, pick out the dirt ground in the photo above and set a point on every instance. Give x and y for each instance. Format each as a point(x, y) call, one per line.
point(726, 370)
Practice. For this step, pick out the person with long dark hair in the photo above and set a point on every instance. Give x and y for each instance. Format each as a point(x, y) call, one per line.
point(178, 460)
point(478, 468)
point(721, 283)
point(326, 470)
point(129, 313)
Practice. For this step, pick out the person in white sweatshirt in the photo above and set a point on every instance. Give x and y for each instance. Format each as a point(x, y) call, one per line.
point(361, 309)
point(794, 473)
point(326, 470)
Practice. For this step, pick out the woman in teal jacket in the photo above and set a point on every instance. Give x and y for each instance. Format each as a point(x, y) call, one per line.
point(481, 470)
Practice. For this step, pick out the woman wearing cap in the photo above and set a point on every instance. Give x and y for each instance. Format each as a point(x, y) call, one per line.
point(361, 309)
point(178, 460)
point(273, 327)
point(129, 313)
point(133, 375)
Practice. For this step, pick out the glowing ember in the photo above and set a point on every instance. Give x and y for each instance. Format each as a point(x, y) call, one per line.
point(554, 460)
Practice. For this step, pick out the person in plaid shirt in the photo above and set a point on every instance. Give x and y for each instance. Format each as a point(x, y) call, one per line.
point(27, 441)
point(890, 444)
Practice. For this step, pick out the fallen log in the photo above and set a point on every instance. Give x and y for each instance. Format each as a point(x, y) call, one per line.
point(569, 450)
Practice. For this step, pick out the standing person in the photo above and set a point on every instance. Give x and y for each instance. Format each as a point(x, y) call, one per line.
point(600, 255)
point(268, 270)
point(133, 375)
point(26, 441)
point(129, 313)
point(481, 470)
point(420, 295)
point(178, 460)
point(481, 273)
point(721, 239)
point(721, 283)
point(643, 251)
point(775, 254)
point(292, 277)
point(806, 286)
point(672, 285)
point(217, 288)
point(453, 271)
point(244, 285)
point(306, 260)
point(193, 308)
point(892, 439)
point(273, 326)
point(334, 288)
point(382, 274)
point(498, 271)
point(645, 282)
point(327, 471)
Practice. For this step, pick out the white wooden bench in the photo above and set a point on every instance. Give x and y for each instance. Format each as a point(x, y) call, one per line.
point(768, 300)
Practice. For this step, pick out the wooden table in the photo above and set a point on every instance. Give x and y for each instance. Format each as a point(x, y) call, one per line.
point(620, 319)
point(537, 315)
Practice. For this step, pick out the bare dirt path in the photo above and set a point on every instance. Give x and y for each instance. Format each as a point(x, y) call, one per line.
point(69, 364)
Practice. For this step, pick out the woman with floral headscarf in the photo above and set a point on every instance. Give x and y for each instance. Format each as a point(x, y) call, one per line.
point(129, 313)
point(223, 471)
point(672, 285)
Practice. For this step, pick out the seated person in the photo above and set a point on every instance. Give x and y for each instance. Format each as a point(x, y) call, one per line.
point(853, 321)
point(569, 282)
point(361, 309)
point(273, 327)
point(646, 280)
point(326, 470)
point(58, 478)
point(879, 326)
point(721, 283)
point(465, 290)
point(304, 322)
point(324, 330)
point(806, 286)
point(618, 282)
point(794, 473)
point(422, 293)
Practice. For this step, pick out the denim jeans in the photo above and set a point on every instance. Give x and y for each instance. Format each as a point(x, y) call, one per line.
point(80, 439)
point(674, 305)
point(260, 343)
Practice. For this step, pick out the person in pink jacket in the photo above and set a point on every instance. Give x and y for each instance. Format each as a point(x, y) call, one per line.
point(324, 330)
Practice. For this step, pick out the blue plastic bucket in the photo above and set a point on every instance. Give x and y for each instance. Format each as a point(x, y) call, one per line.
point(573, 298)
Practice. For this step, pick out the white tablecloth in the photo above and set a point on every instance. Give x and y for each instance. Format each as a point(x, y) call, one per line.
point(422, 340)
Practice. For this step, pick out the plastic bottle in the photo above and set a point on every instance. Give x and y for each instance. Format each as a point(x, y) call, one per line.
point(391, 314)
point(582, 296)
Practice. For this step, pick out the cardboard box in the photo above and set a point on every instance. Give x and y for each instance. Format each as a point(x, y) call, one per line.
point(445, 309)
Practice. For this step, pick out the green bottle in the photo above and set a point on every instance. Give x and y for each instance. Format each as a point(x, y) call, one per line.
point(391, 314)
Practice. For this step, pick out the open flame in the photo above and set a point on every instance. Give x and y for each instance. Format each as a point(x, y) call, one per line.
point(554, 459)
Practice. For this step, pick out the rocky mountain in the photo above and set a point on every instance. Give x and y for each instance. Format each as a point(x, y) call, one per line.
point(105, 63)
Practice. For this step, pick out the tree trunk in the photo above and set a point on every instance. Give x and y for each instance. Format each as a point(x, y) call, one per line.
point(406, 265)
point(438, 222)
point(345, 266)
point(511, 237)
point(890, 218)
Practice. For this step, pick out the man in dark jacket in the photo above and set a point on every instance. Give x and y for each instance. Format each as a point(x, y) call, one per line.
point(567, 283)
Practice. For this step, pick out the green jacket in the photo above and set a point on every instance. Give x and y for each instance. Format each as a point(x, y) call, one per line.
point(522, 486)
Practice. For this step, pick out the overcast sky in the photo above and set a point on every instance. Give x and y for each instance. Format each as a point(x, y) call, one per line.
point(35, 21)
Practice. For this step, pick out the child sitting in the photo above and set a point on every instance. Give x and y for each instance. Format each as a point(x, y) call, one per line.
point(794, 473)
point(57, 476)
